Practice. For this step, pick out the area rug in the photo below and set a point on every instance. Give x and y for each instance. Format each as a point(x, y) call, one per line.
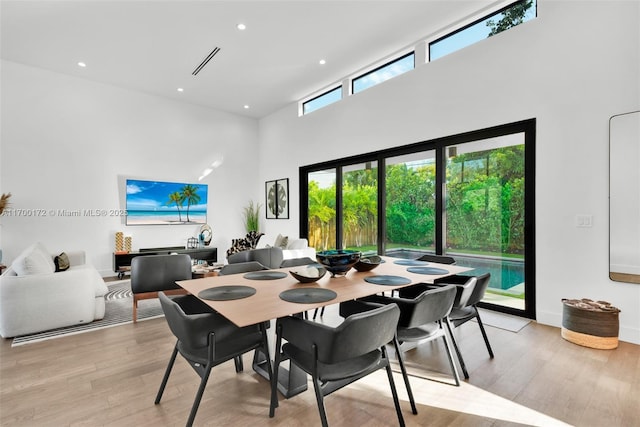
point(118, 311)
point(503, 321)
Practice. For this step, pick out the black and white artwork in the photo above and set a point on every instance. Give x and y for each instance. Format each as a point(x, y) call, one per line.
point(277, 199)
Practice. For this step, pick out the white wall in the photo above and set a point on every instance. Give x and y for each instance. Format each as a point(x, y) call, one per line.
point(572, 68)
point(67, 143)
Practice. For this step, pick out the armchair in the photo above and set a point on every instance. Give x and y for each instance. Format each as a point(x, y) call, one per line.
point(35, 298)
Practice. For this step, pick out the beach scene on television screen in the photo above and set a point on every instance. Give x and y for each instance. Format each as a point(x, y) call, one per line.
point(165, 203)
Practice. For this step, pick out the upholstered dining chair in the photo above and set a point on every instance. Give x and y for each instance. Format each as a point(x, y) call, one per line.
point(421, 320)
point(337, 356)
point(470, 291)
point(241, 267)
point(151, 274)
point(440, 259)
point(206, 339)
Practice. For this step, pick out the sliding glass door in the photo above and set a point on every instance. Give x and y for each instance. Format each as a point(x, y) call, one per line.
point(470, 196)
point(485, 213)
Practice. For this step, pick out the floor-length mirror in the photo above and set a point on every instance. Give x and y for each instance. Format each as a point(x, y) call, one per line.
point(624, 197)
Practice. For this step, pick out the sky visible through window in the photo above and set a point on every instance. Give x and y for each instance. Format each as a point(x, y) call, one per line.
point(382, 74)
point(470, 35)
point(322, 100)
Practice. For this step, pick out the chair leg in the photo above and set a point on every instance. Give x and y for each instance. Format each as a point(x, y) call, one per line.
point(196, 401)
point(484, 334)
point(396, 345)
point(315, 313)
point(454, 370)
point(135, 309)
point(394, 392)
point(167, 372)
point(320, 400)
point(455, 346)
point(238, 362)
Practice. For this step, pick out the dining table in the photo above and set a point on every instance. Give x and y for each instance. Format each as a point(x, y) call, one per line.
point(266, 295)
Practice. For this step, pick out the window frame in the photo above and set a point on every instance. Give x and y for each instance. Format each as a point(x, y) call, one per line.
point(380, 67)
point(325, 93)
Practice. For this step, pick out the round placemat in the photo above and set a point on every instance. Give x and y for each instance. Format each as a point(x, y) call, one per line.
point(227, 293)
point(308, 295)
point(427, 270)
point(410, 262)
point(265, 275)
point(387, 280)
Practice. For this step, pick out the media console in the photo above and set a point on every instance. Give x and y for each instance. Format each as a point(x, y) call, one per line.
point(122, 261)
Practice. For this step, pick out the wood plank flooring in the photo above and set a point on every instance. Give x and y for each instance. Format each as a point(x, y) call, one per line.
point(110, 377)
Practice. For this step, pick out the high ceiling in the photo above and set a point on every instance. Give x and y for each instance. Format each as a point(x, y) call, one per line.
point(154, 46)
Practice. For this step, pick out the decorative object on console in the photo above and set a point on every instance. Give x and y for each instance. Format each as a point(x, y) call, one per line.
point(156, 202)
point(119, 241)
point(206, 234)
point(192, 243)
point(277, 198)
point(127, 244)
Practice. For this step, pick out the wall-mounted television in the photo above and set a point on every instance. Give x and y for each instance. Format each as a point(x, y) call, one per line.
point(165, 203)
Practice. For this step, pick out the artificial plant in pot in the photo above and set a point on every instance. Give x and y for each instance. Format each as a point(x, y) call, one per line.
point(252, 223)
point(251, 214)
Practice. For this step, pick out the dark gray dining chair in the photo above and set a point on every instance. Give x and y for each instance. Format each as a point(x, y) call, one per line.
point(440, 259)
point(470, 291)
point(337, 356)
point(422, 320)
point(206, 339)
point(151, 274)
point(241, 267)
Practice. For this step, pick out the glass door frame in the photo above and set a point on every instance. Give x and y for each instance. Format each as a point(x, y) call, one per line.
point(440, 145)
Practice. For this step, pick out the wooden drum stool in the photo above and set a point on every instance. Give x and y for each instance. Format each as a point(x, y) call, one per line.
point(590, 323)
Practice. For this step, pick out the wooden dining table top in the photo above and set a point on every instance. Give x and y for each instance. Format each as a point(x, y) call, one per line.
point(266, 303)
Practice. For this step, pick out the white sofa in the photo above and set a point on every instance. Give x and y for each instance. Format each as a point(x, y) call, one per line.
point(294, 248)
point(35, 298)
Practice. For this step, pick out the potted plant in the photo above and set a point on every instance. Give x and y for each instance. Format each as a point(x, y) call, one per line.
point(251, 214)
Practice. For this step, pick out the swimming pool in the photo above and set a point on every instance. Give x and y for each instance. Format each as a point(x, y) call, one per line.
point(505, 274)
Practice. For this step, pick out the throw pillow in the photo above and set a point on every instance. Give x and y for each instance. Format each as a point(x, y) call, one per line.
point(33, 261)
point(61, 262)
point(238, 245)
point(281, 241)
point(253, 237)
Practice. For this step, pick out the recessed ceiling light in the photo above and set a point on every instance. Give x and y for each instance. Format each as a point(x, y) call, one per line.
point(322, 62)
point(82, 64)
point(241, 27)
point(180, 89)
point(246, 107)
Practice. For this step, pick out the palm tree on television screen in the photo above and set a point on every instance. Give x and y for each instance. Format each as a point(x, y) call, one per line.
point(176, 198)
point(190, 195)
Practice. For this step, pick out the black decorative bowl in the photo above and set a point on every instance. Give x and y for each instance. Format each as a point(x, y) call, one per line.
point(309, 274)
point(338, 261)
point(368, 263)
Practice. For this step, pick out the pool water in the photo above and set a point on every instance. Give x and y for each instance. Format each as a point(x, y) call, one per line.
point(505, 274)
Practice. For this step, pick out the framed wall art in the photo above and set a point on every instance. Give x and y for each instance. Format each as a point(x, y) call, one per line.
point(277, 198)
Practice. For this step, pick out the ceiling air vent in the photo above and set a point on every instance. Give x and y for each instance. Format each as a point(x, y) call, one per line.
point(206, 61)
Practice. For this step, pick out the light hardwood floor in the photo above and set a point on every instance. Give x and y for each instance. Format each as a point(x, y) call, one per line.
point(110, 377)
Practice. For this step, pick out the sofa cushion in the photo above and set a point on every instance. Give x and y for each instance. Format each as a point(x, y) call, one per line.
point(281, 242)
point(34, 260)
point(61, 262)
